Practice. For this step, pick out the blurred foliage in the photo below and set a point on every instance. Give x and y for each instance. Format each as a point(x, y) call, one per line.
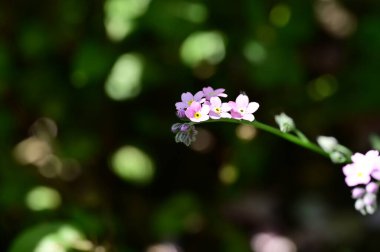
point(87, 89)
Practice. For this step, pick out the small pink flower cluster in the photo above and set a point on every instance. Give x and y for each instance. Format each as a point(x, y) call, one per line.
point(206, 104)
point(364, 170)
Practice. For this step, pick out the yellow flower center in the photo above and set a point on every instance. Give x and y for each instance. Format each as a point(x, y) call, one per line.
point(217, 110)
point(241, 110)
point(190, 102)
point(360, 174)
point(197, 115)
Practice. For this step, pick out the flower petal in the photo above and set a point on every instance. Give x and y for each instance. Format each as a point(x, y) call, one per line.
point(249, 117)
point(225, 107)
point(232, 105)
point(225, 115)
point(198, 96)
point(196, 106)
point(220, 92)
point(236, 115)
point(180, 105)
point(252, 107)
point(190, 113)
point(187, 97)
point(242, 101)
point(215, 102)
point(357, 157)
point(205, 109)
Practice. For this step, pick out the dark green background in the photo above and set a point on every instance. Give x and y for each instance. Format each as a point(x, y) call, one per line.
point(281, 188)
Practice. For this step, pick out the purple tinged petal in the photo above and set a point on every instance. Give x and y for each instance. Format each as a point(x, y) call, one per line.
point(207, 90)
point(180, 105)
point(220, 92)
point(232, 105)
point(185, 127)
point(176, 127)
point(187, 97)
point(181, 113)
point(236, 115)
point(214, 115)
point(198, 96)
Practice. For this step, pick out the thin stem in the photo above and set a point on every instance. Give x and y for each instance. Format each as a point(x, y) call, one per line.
point(301, 136)
point(291, 138)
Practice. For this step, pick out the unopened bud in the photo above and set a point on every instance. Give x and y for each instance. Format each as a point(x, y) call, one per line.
point(327, 143)
point(285, 122)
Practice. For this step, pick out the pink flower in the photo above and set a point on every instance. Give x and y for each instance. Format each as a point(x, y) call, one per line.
point(371, 159)
point(243, 109)
point(197, 112)
point(362, 167)
point(210, 92)
point(356, 175)
point(188, 98)
point(219, 109)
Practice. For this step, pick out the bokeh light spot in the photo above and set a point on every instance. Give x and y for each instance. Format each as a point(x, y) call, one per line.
point(280, 15)
point(124, 81)
point(133, 165)
point(204, 141)
point(335, 18)
point(44, 128)
point(322, 87)
point(120, 16)
point(228, 174)
point(246, 132)
point(50, 166)
point(207, 46)
point(43, 198)
point(32, 151)
point(268, 242)
point(255, 52)
point(195, 12)
point(64, 239)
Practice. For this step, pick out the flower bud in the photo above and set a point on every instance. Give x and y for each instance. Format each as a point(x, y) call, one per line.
point(357, 192)
point(369, 199)
point(359, 205)
point(176, 127)
point(285, 122)
point(328, 144)
point(181, 113)
point(337, 157)
point(372, 187)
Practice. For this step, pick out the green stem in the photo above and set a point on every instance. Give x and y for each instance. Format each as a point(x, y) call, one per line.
point(303, 142)
point(301, 136)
